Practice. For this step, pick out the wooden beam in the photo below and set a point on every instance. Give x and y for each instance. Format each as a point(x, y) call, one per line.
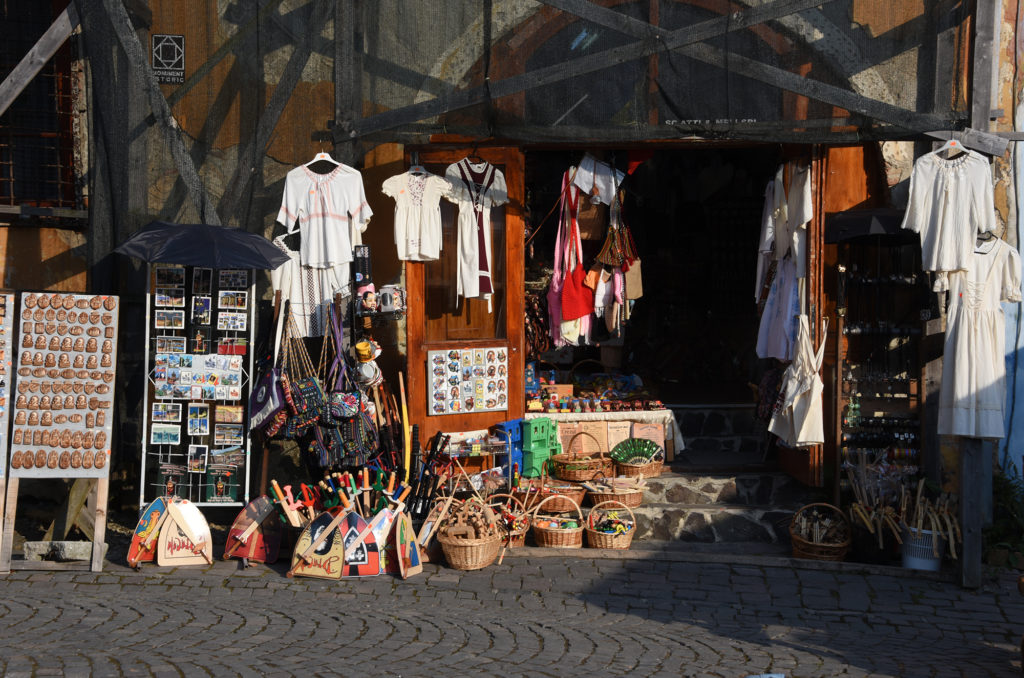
point(99, 503)
point(983, 63)
point(984, 142)
point(348, 71)
point(67, 514)
point(751, 68)
point(37, 57)
point(571, 68)
point(238, 188)
point(161, 110)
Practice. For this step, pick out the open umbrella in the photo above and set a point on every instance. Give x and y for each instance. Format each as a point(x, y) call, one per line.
point(201, 245)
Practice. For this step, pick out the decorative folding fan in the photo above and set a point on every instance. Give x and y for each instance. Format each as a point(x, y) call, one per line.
point(637, 451)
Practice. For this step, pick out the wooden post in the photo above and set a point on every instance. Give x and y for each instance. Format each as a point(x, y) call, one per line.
point(971, 470)
point(100, 525)
point(7, 542)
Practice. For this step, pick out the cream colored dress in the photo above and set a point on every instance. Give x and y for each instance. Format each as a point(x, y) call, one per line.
point(973, 392)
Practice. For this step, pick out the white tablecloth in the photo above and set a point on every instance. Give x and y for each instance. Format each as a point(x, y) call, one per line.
point(673, 437)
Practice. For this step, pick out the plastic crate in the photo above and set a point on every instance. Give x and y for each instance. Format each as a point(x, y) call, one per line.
point(533, 460)
point(514, 431)
point(537, 432)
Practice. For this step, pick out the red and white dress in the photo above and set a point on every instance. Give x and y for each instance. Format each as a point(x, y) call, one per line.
point(476, 188)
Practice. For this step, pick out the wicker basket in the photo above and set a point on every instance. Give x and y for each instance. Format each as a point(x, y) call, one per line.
point(836, 549)
point(629, 497)
point(578, 468)
point(470, 554)
point(648, 469)
point(567, 496)
point(514, 518)
point(605, 540)
point(570, 538)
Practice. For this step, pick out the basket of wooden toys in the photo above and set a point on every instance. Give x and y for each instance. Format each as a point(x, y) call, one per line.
point(512, 516)
point(471, 537)
point(576, 466)
point(565, 496)
point(638, 457)
point(607, 528)
point(556, 531)
point(820, 532)
point(627, 490)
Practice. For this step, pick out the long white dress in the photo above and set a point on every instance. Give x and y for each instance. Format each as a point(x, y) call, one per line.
point(950, 204)
point(973, 393)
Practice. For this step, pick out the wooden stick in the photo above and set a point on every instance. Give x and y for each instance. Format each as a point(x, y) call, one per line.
point(406, 432)
point(289, 512)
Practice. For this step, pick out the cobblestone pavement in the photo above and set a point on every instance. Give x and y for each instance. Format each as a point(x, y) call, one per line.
point(531, 615)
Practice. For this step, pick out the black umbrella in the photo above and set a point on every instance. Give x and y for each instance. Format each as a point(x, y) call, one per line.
point(161, 242)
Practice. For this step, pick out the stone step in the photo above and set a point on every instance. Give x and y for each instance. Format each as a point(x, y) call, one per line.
point(717, 508)
point(713, 523)
point(746, 489)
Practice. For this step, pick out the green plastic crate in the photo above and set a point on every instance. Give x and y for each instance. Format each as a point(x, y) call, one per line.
point(533, 460)
point(537, 433)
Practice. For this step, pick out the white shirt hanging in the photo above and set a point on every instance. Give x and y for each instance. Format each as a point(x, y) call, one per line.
point(326, 209)
point(951, 202)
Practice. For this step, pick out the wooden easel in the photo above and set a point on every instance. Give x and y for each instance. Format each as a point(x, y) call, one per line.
point(98, 502)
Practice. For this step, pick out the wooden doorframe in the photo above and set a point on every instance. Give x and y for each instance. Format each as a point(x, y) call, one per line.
point(512, 160)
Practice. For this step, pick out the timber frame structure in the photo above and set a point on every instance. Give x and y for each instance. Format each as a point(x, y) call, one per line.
point(266, 83)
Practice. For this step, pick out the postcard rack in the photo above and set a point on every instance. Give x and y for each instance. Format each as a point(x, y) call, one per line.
point(195, 437)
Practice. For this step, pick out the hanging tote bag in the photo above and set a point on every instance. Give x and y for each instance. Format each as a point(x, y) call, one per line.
point(554, 294)
point(267, 399)
point(799, 420)
point(577, 298)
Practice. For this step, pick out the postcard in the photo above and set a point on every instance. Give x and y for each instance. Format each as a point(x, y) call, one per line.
point(197, 458)
point(165, 434)
point(167, 412)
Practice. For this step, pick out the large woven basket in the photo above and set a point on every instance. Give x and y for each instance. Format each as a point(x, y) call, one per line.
point(606, 540)
point(566, 496)
point(838, 545)
point(569, 538)
point(647, 469)
point(470, 554)
point(513, 517)
point(577, 467)
point(631, 498)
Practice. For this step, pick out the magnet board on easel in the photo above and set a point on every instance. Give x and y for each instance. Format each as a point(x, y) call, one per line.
point(66, 362)
point(6, 379)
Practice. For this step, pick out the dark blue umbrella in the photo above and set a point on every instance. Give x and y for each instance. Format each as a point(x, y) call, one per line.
point(161, 242)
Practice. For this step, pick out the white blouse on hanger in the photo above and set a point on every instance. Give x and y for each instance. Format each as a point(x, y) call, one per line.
point(417, 214)
point(951, 202)
point(330, 209)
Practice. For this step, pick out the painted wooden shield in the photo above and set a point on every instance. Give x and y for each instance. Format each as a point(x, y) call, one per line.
point(329, 557)
point(256, 533)
point(406, 547)
point(365, 561)
point(430, 551)
point(385, 542)
point(184, 537)
point(144, 541)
